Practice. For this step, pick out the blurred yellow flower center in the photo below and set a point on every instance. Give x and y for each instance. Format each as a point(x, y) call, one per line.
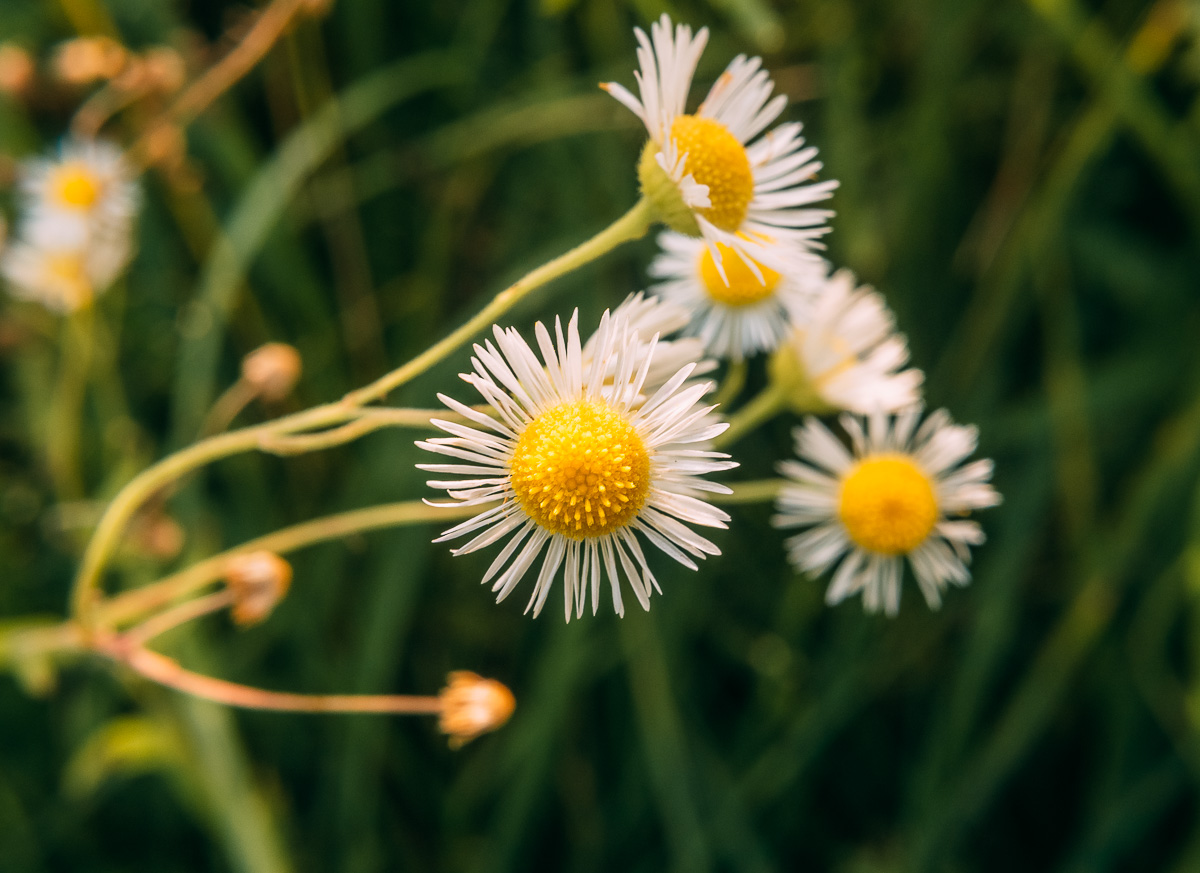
point(67, 274)
point(887, 504)
point(75, 187)
point(715, 158)
point(743, 287)
point(580, 469)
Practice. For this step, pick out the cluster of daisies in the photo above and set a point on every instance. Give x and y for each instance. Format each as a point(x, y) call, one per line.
point(75, 235)
point(603, 446)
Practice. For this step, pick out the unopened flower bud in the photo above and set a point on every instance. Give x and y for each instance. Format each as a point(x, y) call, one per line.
point(272, 371)
point(16, 69)
point(472, 705)
point(88, 59)
point(165, 145)
point(258, 581)
point(164, 69)
point(157, 535)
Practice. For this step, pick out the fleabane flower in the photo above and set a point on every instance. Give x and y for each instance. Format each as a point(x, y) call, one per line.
point(737, 307)
point(844, 353)
point(895, 494)
point(60, 266)
point(90, 184)
point(655, 320)
point(712, 173)
point(577, 464)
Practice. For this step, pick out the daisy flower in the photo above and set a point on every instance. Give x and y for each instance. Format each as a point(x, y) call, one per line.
point(574, 464)
point(844, 353)
point(89, 183)
point(737, 308)
point(59, 266)
point(896, 494)
point(652, 317)
point(710, 173)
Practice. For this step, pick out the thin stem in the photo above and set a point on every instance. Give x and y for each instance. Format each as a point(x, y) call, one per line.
point(632, 225)
point(63, 437)
point(762, 408)
point(133, 604)
point(368, 421)
point(166, 471)
point(179, 615)
point(228, 406)
point(167, 671)
point(755, 491)
point(732, 384)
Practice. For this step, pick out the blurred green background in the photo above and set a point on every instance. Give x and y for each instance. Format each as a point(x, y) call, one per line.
point(1021, 179)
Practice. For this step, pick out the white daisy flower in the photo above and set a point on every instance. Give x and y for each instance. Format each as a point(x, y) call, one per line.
point(896, 494)
point(90, 183)
point(650, 317)
point(574, 464)
point(710, 173)
point(740, 310)
point(844, 353)
point(60, 266)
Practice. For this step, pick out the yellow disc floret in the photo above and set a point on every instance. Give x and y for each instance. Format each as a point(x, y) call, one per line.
point(715, 158)
point(742, 287)
point(580, 469)
point(75, 187)
point(887, 504)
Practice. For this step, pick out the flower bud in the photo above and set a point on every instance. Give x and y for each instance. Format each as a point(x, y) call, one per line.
point(472, 705)
point(164, 69)
point(272, 371)
point(258, 581)
point(16, 69)
point(88, 59)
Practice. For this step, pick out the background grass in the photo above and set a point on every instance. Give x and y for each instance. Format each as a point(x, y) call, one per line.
point(1021, 179)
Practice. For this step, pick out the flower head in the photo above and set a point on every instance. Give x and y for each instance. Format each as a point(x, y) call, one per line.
point(737, 307)
point(896, 494)
point(257, 581)
point(59, 266)
point(844, 353)
point(710, 173)
point(89, 184)
point(472, 705)
point(577, 462)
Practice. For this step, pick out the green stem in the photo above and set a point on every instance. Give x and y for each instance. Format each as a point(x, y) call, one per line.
point(632, 225)
point(731, 385)
point(772, 401)
point(63, 434)
point(756, 491)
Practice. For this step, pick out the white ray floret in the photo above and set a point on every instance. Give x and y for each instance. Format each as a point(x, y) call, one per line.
point(898, 492)
point(88, 184)
point(576, 466)
point(715, 173)
point(60, 266)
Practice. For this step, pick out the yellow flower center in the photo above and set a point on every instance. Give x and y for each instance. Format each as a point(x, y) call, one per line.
point(715, 158)
point(75, 187)
point(580, 469)
point(743, 287)
point(887, 504)
point(68, 275)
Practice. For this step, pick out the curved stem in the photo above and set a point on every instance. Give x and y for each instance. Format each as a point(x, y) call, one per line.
point(731, 385)
point(134, 604)
point(632, 225)
point(179, 615)
point(167, 671)
point(772, 401)
point(229, 405)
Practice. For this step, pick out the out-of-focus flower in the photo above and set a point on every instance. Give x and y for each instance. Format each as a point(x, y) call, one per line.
point(710, 173)
point(90, 183)
point(163, 69)
point(737, 311)
point(58, 266)
point(258, 581)
point(576, 463)
point(472, 705)
point(897, 494)
point(272, 370)
point(88, 59)
point(844, 354)
point(16, 69)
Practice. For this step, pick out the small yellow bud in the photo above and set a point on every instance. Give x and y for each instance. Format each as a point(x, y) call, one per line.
point(88, 59)
point(472, 705)
point(16, 69)
point(258, 581)
point(164, 70)
point(272, 371)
